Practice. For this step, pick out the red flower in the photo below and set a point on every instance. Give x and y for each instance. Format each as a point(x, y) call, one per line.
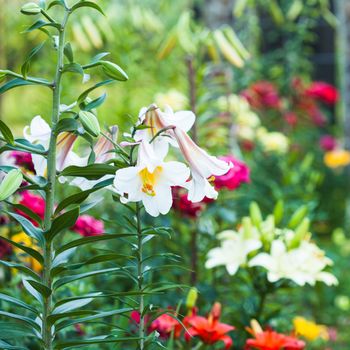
point(23, 159)
point(262, 95)
point(165, 325)
point(33, 202)
point(291, 118)
point(209, 329)
point(182, 204)
point(87, 225)
point(328, 143)
point(271, 340)
point(324, 92)
point(237, 175)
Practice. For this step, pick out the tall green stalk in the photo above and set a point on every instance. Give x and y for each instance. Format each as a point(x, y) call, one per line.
point(140, 276)
point(51, 180)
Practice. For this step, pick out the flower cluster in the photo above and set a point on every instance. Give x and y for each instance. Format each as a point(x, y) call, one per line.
point(151, 178)
point(271, 340)
point(284, 253)
point(209, 330)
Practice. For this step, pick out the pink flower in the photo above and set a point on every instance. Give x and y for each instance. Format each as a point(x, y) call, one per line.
point(324, 92)
point(33, 202)
point(23, 159)
point(182, 204)
point(262, 94)
point(237, 175)
point(87, 225)
point(165, 325)
point(291, 118)
point(328, 143)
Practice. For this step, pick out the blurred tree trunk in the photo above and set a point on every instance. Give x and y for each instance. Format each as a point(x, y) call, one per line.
point(2, 45)
point(218, 12)
point(343, 77)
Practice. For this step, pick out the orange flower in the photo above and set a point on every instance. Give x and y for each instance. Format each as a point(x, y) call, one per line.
point(209, 329)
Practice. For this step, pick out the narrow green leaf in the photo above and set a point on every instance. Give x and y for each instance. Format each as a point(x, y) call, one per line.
point(6, 346)
point(73, 68)
point(6, 133)
point(69, 314)
point(93, 104)
point(17, 302)
point(68, 52)
point(22, 319)
point(79, 197)
point(92, 239)
point(87, 4)
point(66, 124)
point(13, 84)
point(56, 3)
point(70, 305)
point(32, 291)
point(28, 212)
point(11, 330)
point(40, 288)
point(91, 171)
point(78, 342)
point(85, 94)
point(26, 65)
point(67, 323)
point(68, 279)
point(61, 223)
point(41, 24)
point(24, 269)
point(33, 253)
point(28, 227)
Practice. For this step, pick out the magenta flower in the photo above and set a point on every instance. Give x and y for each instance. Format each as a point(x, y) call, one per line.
point(240, 173)
point(324, 92)
point(23, 159)
point(33, 202)
point(87, 225)
point(328, 143)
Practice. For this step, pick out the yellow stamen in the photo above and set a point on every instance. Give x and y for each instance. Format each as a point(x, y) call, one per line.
point(149, 180)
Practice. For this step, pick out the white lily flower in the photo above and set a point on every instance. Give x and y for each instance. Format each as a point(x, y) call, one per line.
point(39, 132)
point(233, 251)
point(278, 263)
point(302, 265)
point(157, 120)
point(150, 181)
point(102, 153)
point(203, 166)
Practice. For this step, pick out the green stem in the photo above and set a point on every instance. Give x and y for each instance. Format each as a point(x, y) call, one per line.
point(140, 277)
point(50, 188)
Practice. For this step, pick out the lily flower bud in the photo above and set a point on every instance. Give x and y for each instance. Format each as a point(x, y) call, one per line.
point(31, 8)
point(90, 123)
point(10, 183)
point(113, 71)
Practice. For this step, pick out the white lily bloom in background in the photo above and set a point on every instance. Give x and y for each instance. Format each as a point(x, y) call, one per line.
point(203, 166)
point(150, 181)
point(311, 261)
point(278, 263)
point(302, 265)
point(233, 251)
point(102, 153)
point(39, 132)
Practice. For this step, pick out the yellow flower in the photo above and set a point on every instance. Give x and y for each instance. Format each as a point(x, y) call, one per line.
point(310, 330)
point(274, 141)
point(25, 240)
point(337, 158)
